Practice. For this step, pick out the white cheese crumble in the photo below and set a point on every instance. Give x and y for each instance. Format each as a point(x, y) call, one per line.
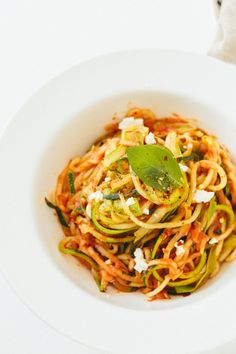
point(95, 195)
point(188, 146)
point(179, 247)
point(146, 211)
point(202, 196)
point(140, 262)
point(130, 122)
point(88, 210)
point(150, 139)
point(130, 201)
point(107, 179)
point(213, 241)
point(183, 167)
point(108, 261)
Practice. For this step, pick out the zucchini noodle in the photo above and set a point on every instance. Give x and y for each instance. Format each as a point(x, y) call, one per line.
point(150, 207)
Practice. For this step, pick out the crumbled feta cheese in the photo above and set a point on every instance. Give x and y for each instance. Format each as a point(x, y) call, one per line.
point(96, 195)
point(202, 196)
point(130, 201)
point(88, 210)
point(130, 122)
point(140, 262)
point(213, 241)
point(183, 167)
point(107, 179)
point(146, 211)
point(179, 247)
point(221, 220)
point(108, 261)
point(150, 139)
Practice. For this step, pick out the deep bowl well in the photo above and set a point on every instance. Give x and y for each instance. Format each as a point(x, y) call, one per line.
point(62, 120)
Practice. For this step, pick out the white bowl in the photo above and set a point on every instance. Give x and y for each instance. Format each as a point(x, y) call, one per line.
point(61, 120)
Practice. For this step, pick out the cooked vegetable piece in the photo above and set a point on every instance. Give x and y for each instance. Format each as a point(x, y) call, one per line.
point(104, 229)
point(60, 215)
point(76, 253)
point(71, 182)
point(114, 155)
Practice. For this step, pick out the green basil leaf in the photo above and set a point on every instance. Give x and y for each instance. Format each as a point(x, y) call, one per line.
point(156, 166)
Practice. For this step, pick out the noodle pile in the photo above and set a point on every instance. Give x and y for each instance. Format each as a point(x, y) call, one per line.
point(160, 234)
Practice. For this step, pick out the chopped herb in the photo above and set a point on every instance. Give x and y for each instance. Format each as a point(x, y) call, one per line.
point(71, 182)
point(193, 156)
point(58, 211)
point(171, 291)
point(132, 193)
point(112, 196)
point(77, 211)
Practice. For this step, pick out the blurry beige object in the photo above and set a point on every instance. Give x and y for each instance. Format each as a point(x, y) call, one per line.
point(224, 45)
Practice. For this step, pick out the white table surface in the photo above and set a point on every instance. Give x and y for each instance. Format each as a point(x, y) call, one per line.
point(41, 38)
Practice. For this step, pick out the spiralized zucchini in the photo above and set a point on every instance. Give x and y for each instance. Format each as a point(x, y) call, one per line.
point(150, 207)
